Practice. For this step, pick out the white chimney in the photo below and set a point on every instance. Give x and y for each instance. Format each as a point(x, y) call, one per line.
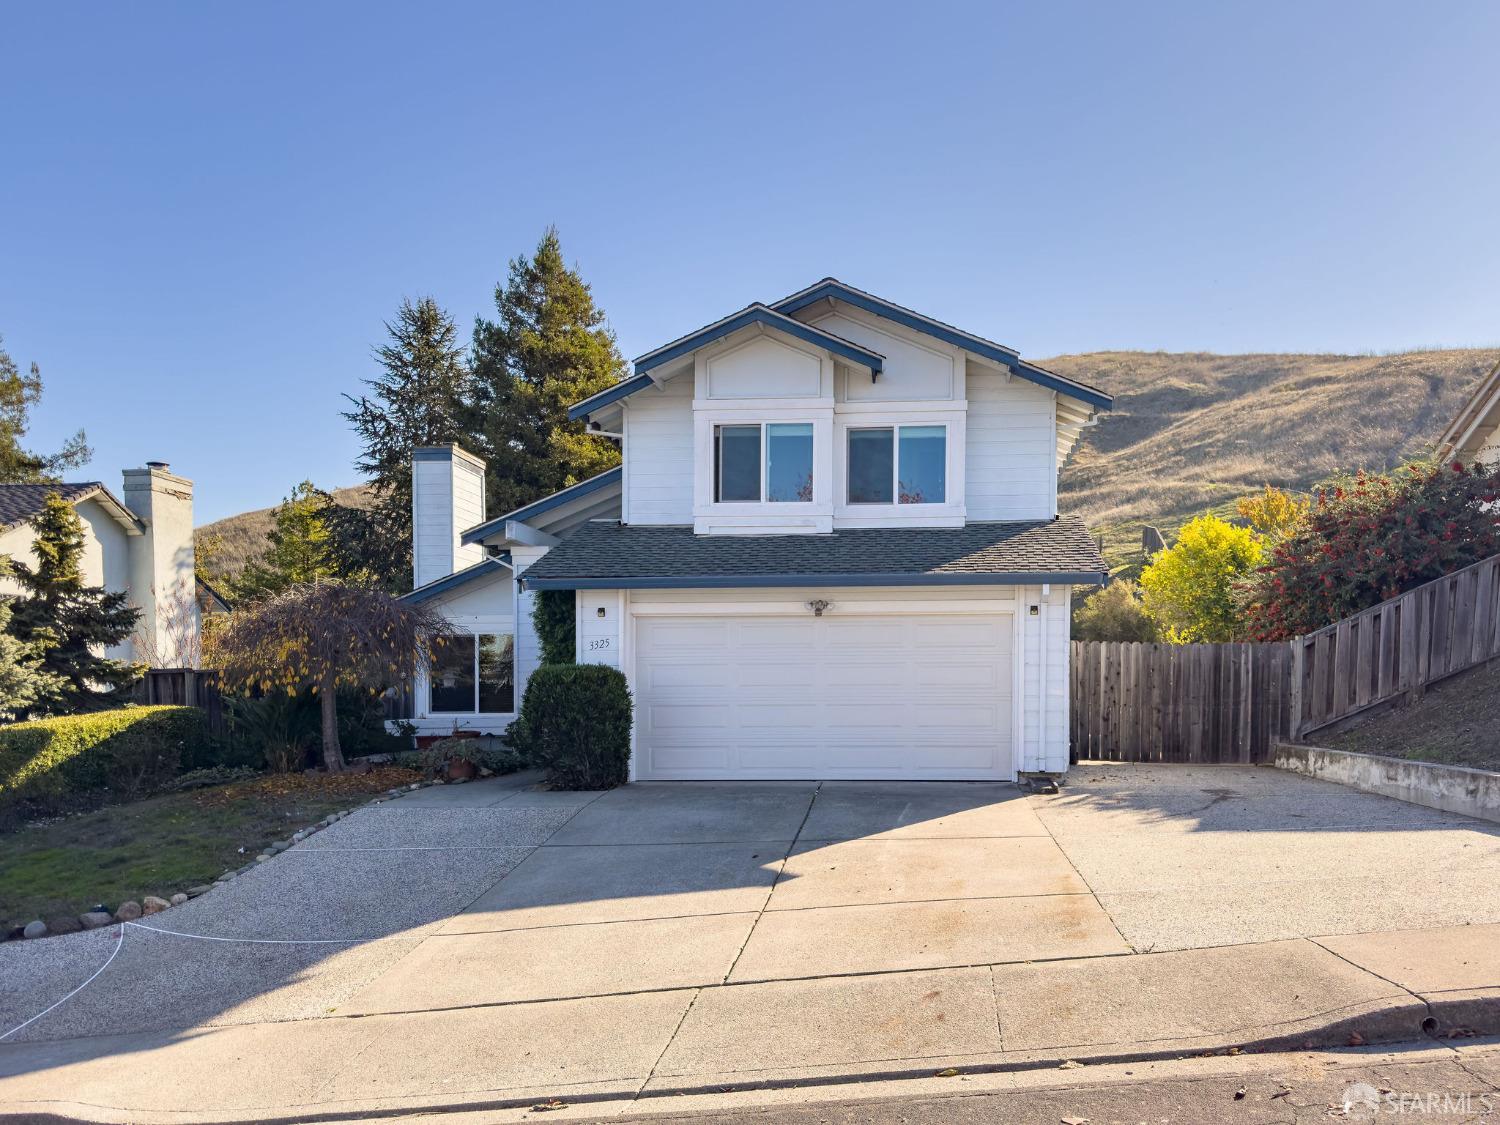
point(161, 567)
point(447, 498)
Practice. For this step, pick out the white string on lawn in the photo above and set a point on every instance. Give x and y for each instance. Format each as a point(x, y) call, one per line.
point(119, 943)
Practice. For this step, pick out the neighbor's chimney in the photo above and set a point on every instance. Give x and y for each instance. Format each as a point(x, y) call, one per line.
point(447, 498)
point(161, 565)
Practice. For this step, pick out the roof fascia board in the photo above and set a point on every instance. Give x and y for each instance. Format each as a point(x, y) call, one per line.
point(986, 349)
point(722, 582)
point(437, 587)
point(545, 504)
point(622, 389)
point(1480, 405)
point(760, 314)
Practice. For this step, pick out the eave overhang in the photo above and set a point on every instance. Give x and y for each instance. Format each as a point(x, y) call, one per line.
point(486, 568)
point(751, 581)
point(546, 504)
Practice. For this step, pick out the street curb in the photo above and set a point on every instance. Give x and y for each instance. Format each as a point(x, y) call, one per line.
point(1440, 1021)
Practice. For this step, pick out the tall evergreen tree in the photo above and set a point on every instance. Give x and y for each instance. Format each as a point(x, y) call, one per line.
point(547, 348)
point(18, 394)
point(300, 547)
point(22, 679)
point(70, 621)
point(418, 399)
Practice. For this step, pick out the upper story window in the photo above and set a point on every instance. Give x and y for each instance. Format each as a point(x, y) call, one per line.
point(898, 465)
point(770, 463)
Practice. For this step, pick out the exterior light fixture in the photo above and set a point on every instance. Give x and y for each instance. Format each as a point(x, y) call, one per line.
point(599, 612)
point(818, 607)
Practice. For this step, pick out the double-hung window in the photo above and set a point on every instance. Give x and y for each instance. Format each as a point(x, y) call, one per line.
point(473, 674)
point(769, 463)
point(898, 465)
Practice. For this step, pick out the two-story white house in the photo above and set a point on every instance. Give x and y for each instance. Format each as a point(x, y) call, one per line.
point(832, 550)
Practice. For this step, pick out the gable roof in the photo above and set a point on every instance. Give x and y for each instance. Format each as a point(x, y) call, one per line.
point(19, 503)
point(545, 504)
point(1479, 415)
point(831, 288)
point(779, 317)
point(606, 554)
point(756, 313)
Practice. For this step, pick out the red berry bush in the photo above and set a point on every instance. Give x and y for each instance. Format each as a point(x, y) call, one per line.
point(1370, 538)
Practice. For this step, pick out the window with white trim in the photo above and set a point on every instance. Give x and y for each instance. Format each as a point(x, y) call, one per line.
point(473, 674)
point(763, 464)
point(898, 464)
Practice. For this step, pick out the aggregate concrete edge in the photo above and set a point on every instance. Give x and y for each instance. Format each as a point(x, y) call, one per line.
point(1459, 1015)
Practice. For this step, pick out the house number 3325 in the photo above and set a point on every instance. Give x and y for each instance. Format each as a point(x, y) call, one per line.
point(598, 643)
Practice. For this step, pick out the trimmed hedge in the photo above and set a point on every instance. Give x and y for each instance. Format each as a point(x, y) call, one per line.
point(575, 724)
point(49, 765)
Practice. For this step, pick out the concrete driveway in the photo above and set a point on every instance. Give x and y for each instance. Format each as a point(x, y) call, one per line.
point(491, 939)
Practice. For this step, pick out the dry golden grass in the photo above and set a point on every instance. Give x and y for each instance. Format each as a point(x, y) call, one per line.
point(244, 536)
point(1194, 431)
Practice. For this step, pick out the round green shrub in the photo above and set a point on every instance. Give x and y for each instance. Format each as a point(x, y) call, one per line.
point(575, 725)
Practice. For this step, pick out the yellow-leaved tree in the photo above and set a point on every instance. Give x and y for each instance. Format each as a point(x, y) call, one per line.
point(323, 636)
point(1189, 588)
point(1273, 512)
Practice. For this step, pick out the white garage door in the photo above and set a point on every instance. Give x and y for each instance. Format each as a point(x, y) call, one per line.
point(841, 696)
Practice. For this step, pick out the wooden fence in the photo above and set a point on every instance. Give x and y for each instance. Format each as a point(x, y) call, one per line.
point(1397, 648)
point(1233, 702)
point(189, 687)
point(1178, 703)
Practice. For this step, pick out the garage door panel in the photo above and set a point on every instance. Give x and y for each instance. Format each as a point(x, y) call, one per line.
point(898, 696)
point(948, 679)
point(684, 676)
point(665, 634)
point(892, 674)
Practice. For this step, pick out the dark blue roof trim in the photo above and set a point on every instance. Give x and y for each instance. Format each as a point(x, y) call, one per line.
point(1008, 357)
point(1064, 386)
point(760, 314)
point(545, 504)
point(622, 389)
point(723, 582)
point(483, 569)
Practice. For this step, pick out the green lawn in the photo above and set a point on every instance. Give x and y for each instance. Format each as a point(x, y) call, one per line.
point(165, 844)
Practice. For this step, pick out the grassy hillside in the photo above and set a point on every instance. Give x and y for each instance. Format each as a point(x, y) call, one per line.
point(244, 536)
point(1194, 431)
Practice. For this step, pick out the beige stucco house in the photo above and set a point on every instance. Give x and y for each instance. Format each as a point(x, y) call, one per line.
point(140, 542)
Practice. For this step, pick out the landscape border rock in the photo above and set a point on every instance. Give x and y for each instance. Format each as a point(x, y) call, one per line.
point(131, 910)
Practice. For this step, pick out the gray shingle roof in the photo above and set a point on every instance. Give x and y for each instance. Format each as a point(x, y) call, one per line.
point(607, 555)
point(19, 502)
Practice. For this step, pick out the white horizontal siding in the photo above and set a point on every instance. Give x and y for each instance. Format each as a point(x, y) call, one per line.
point(659, 454)
point(1011, 449)
point(1044, 647)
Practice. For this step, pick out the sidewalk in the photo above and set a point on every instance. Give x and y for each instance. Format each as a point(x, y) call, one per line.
point(618, 1052)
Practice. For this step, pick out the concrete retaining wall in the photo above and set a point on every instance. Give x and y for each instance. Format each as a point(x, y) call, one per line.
point(1449, 788)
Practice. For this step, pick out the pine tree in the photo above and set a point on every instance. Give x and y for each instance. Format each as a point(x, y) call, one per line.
point(22, 679)
point(301, 547)
point(548, 348)
point(18, 394)
point(418, 399)
point(69, 621)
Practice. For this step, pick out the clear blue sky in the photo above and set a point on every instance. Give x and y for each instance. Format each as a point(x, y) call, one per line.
point(208, 209)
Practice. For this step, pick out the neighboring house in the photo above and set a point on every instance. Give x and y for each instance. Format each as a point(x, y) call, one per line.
point(140, 543)
point(832, 551)
point(1474, 434)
